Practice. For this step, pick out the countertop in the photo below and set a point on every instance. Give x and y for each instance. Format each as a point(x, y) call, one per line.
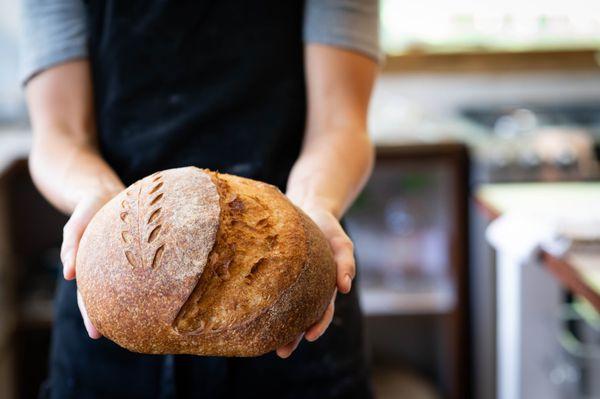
point(579, 268)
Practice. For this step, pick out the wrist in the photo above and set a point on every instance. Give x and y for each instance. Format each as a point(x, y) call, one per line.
point(306, 199)
point(89, 177)
point(320, 204)
point(99, 193)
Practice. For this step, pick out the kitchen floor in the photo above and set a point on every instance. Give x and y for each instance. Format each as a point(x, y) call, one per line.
point(399, 383)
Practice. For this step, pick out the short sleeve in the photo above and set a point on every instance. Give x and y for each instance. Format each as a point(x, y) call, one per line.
point(348, 24)
point(53, 32)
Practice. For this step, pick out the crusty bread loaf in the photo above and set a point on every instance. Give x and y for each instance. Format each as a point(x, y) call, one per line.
point(191, 261)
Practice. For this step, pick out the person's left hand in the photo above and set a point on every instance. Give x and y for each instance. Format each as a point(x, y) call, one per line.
point(343, 253)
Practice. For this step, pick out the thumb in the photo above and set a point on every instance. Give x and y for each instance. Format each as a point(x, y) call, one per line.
point(72, 232)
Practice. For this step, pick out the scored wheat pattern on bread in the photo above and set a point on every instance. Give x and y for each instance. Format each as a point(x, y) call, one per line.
point(140, 216)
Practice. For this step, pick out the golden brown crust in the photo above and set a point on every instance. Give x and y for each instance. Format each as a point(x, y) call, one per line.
point(217, 265)
point(134, 277)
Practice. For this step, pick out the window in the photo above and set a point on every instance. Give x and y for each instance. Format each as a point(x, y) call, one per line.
point(12, 108)
point(453, 26)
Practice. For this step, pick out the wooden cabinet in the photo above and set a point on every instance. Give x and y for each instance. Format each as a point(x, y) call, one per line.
point(30, 236)
point(410, 229)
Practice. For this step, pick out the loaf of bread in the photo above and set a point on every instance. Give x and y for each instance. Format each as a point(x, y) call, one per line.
point(192, 261)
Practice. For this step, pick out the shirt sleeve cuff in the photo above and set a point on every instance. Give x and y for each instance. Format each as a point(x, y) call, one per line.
point(348, 24)
point(52, 32)
point(33, 66)
point(362, 47)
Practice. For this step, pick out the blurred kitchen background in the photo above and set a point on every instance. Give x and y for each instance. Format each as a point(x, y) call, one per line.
point(486, 113)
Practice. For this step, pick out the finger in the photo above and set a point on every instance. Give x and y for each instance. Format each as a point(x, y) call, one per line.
point(317, 329)
point(285, 351)
point(72, 232)
point(91, 330)
point(343, 252)
point(68, 248)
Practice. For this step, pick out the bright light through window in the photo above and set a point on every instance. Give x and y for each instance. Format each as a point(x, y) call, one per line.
point(479, 25)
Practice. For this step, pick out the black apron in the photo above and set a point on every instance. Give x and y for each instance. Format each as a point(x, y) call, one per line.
point(218, 84)
point(215, 84)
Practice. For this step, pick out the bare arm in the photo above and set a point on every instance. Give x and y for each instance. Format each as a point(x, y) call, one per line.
point(337, 154)
point(65, 163)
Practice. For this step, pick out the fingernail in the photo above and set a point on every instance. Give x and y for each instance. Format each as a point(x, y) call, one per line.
point(314, 337)
point(348, 283)
point(68, 261)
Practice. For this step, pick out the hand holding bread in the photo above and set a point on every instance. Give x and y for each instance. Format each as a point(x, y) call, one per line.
point(191, 261)
point(83, 213)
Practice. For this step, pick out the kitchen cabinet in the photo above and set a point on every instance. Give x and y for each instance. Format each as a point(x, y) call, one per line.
point(30, 237)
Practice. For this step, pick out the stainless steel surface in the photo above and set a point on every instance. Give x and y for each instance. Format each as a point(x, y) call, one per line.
point(536, 142)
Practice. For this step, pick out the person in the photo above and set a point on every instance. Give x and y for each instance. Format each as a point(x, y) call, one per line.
point(272, 90)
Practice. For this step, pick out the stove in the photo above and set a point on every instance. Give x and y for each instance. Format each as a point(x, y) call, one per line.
point(537, 142)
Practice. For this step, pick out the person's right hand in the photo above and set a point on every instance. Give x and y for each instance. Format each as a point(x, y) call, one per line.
point(73, 230)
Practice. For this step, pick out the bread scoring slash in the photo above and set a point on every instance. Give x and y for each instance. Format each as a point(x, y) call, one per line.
point(192, 261)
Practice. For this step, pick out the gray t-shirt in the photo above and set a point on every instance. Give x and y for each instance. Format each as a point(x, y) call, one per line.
point(55, 31)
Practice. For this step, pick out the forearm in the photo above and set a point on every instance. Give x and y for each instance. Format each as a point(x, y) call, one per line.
point(65, 163)
point(337, 154)
point(66, 171)
point(332, 169)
